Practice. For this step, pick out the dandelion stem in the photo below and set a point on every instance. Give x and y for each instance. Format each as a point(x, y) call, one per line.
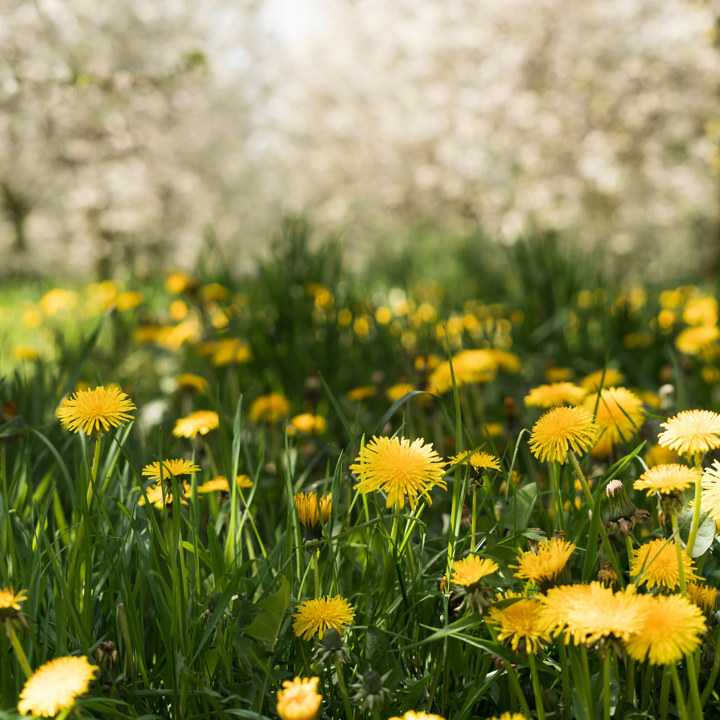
point(710, 685)
point(679, 699)
point(343, 689)
point(536, 687)
point(558, 496)
point(695, 524)
point(17, 646)
point(565, 677)
point(512, 675)
point(606, 685)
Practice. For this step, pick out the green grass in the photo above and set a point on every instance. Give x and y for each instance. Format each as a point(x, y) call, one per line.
point(199, 598)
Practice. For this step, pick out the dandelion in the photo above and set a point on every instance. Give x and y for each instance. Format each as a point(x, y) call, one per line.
point(163, 470)
point(478, 461)
point(308, 424)
point(412, 715)
point(691, 432)
point(55, 685)
point(95, 410)
point(561, 430)
point(399, 468)
point(517, 619)
point(671, 628)
point(510, 716)
point(194, 382)
point(710, 497)
point(559, 393)
point(313, 617)
point(656, 564)
point(470, 571)
point(693, 340)
point(399, 390)
point(704, 596)
point(544, 566)
point(270, 408)
point(299, 699)
point(158, 496)
point(220, 484)
point(609, 377)
point(589, 613)
point(10, 602)
point(666, 479)
point(200, 422)
point(618, 415)
point(361, 393)
point(310, 509)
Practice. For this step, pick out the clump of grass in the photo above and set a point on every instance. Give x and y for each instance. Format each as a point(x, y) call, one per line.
point(229, 498)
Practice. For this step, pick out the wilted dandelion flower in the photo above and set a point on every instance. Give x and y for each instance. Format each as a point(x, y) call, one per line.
point(671, 628)
point(163, 470)
point(691, 432)
point(561, 430)
point(667, 479)
point(200, 422)
point(399, 468)
point(544, 566)
point(314, 617)
point(299, 699)
point(559, 393)
point(270, 408)
point(518, 621)
point(656, 564)
point(618, 415)
point(589, 613)
point(95, 410)
point(54, 686)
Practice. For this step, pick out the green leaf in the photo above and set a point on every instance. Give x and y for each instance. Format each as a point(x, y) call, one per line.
point(705, 534)
point(266, 626)
point(516, 513)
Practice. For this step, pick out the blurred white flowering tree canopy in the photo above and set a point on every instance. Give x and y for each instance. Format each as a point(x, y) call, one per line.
point(128, 129)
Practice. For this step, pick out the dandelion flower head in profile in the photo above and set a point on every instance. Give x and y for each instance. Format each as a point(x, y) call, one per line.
point(470, 571)
point(96, 410)
point(691, 432)
point(561, 430)
point(159, 496)
point(589, 613)
point(310, 508)
point(655, 563)
point(544, 566)
point(200, 422)
point(299, 699)
point(220, 484)
point(10, 600)
point(704, 596)
point(54, 686)
point(553, 394)
point(618, 415)
point(671, 628)
point(270, 408)
point(162, 470)
point(667, 479)
point(478, 461)
point(314, 617)
point(412, 715)
point(517, 619)
point(510, 716)
point(399, 468)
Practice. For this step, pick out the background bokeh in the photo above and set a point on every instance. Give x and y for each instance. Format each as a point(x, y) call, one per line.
point(135, 136)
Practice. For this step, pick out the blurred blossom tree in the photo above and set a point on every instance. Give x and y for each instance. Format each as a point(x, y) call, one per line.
point(124, 128)
point(519, 116)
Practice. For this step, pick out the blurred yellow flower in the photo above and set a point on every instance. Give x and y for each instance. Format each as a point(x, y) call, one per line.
point(559, 393)
point(176, 467)
point(270, 408)
point(655, 563)
point(609, 377)
point(618, 415)
point(308, 424)
point(517, 620)
point(200, 422)
point(299, 699)
point(544, 566)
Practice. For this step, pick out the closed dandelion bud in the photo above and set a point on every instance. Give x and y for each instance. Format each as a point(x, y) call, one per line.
point(370, 690)
point(332, 646)
point(106, 655)
point(620, 504)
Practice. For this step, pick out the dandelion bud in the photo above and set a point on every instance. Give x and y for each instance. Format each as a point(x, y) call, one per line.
point(620, 504)
point(371, 691)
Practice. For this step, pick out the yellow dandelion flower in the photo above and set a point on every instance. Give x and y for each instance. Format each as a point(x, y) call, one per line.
point(399, 468)
point(299, 699)
point(314, 617)
point(691, 432)
point(200, 422)
point(559, 393)
point(544, 566)
point(176, 467)
point(220, 484)
point(178, 282)
point(55, 685)
point(95, 410)
point(701, 310)
point(361, 393)
point(560, 430)
point(468, 367)
point(269, 408)
point(671, 628)
point(10, 601)
point(517, 619)
point(194, 382)
point(308, 424)
point(608, 377)
point(471, 570)
point(704, 596)
point(395, 392)
point(412, 715)
point(158, 496)
point(618, 415)
point(588, 613)
point(655, 563)
point(710, 497)
point(693, 340)
point(667, 479)
point(310, 509)
point(25, 352)
point(479, 461)
point(510, 716)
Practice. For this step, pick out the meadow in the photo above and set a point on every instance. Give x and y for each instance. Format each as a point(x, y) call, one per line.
point(487, 489)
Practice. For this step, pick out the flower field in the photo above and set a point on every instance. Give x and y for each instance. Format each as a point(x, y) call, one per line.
point(308, 494)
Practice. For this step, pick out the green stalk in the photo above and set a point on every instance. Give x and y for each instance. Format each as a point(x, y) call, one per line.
point(606, 685)
point(679, 699)
point(664, 692)
point(558, 495)
point(343, 689)
point(695, 524)
point(17, 646)
point(473, 520)
point(536, 687)
point(515, 683)
point(629, 690)
point(566, 694)
point(316, 568)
